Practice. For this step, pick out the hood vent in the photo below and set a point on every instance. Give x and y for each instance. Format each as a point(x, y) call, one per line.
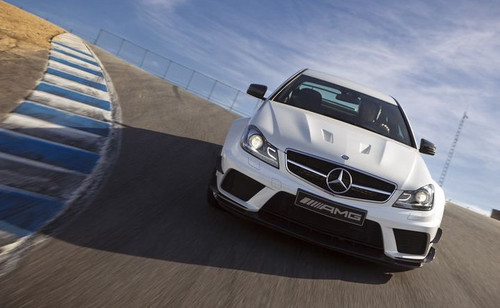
point(327, 136)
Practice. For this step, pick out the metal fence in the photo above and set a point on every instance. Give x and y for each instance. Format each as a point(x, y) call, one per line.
point(193, 81)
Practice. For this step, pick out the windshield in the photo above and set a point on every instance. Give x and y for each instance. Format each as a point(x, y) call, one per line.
point(346, 105)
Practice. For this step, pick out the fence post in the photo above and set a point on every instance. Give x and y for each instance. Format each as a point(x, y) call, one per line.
point(168, 67)
point(212, 90)
point(190, 79)
point(234, 100)
point(144, 57)
point(120, 48)
point(98, 37)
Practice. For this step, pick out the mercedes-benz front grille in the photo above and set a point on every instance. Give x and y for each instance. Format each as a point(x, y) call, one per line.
point(315, 171)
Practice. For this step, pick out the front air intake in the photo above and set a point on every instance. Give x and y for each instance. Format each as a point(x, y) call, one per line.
point(411, 242)
point(240, 185)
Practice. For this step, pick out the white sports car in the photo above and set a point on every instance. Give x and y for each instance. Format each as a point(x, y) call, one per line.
point(334, 163)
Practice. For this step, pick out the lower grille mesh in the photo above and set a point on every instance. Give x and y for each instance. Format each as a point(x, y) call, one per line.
point(282, 205)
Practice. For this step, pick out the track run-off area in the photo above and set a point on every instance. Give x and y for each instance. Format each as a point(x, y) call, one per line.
point(149, 238)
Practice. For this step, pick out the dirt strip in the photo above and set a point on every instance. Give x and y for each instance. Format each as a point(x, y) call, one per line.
point(24, 46)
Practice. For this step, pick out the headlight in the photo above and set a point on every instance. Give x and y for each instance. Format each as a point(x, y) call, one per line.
point(421, 199)
point(256, 144)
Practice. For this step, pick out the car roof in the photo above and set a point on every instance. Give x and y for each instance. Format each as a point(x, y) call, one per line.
point(349, 84)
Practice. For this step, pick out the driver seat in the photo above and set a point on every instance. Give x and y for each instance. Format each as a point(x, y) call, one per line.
point(308, 99)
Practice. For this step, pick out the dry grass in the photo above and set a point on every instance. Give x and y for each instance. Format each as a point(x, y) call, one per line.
point(24, 50)
point(20, 31)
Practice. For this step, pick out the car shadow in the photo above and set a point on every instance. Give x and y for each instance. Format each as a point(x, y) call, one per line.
point(153, 205)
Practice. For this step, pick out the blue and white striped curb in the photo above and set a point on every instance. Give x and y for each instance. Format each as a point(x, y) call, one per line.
point(51, 144)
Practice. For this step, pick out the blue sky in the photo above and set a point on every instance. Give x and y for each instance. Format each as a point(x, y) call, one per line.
point(437, 58)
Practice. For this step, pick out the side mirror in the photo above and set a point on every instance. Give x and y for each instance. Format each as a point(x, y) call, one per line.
point(427, 147)
point(257, 90)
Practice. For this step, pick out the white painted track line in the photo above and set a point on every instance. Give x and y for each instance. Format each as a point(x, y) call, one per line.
point(53, 132)
point(71, 51)
point(75, 86)
point(59, 55)
point(70, 105)
point(75, 71)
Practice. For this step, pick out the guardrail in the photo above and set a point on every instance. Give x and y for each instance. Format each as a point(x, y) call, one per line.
point(195, 82)
point(191, 80)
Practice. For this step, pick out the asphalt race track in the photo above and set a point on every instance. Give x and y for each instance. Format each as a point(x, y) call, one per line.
point(148, 238)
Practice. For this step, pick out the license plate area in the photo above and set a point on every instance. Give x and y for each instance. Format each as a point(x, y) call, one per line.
point(329, 208)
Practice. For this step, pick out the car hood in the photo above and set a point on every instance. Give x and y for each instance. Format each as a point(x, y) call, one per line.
point(288, 127)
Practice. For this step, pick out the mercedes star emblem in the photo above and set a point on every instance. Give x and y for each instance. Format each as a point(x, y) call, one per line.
point(339, 180)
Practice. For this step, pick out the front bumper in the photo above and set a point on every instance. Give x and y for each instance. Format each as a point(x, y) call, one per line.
point(306, 233)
